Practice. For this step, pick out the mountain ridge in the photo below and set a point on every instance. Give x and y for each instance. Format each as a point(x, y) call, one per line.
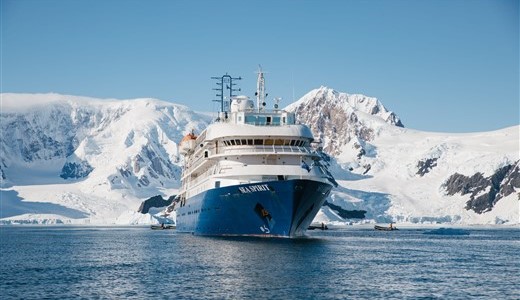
point(126, 151)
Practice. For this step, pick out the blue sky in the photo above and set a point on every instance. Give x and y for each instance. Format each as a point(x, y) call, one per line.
point(445, 65)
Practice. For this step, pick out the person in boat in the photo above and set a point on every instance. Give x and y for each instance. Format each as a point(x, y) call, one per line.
point(162, 225)
point(391, 227)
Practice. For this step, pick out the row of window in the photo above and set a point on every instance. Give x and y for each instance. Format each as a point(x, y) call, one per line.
point(263, 120)
point(266, 120)
point(264, 142)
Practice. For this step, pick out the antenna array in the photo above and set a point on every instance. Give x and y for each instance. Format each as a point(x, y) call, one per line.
point(228, 81)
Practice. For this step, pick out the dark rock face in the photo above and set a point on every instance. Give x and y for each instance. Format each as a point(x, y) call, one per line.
point(159, 166)
point(510, 182)
point(155, 201)
point(361, 153)
point(333, 120)
point(2, 167)
point(36, 141)
point(124, 172)
point(394, 119)
point(143, 181)
point(346, 214)
point(367, 168)
point(501, 184)
point(425, 166)
point(75, 170)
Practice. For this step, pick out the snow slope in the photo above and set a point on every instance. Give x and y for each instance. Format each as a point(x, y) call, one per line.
point(90, 160)
point(78, 160)
point(415, 198)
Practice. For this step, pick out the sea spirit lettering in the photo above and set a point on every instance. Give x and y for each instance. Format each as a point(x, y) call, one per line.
point(254, 188)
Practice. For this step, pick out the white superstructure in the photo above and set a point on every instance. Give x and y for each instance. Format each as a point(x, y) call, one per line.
point(249, 144)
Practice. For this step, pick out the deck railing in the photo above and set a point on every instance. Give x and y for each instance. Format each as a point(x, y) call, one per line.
point(260, 149)
point(265, 149)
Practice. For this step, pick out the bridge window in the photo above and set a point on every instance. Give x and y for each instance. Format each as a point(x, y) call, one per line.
point(250, 120)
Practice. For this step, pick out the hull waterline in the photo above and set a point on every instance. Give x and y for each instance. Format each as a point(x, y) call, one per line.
point(277, 208)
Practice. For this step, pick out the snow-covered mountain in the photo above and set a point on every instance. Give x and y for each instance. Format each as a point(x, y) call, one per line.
point(96, 159)
point(404, 175)
point(82, 160)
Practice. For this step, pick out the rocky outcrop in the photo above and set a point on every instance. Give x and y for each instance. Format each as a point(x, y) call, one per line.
point(425, 166)
point(485, 192)
point(333, 117)
point(157, 164)
point(2, 167)
point(346, 214)
point(149, 166)
point(155, 201)
point(74, 170)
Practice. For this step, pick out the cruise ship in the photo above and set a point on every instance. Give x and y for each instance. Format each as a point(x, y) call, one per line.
point(253, 172)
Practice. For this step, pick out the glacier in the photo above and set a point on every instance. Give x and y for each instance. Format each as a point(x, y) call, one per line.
point(78, 160)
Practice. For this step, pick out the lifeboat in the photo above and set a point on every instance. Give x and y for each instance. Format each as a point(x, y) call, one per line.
point(187, 144)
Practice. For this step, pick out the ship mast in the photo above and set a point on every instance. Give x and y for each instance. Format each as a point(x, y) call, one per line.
point(260, 89)
point(226, 80)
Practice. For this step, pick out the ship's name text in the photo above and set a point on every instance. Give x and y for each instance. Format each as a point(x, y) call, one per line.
point(254, 188)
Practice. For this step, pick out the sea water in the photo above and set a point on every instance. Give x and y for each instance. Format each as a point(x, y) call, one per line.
point(65, 262)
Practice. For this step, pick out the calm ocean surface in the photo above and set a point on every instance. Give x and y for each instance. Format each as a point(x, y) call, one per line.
point(65, 262)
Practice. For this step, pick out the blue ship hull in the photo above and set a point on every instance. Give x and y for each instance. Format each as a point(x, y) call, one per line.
point(282, 208)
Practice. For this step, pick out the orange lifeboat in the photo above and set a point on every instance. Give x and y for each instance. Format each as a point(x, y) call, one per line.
point(187, 143)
